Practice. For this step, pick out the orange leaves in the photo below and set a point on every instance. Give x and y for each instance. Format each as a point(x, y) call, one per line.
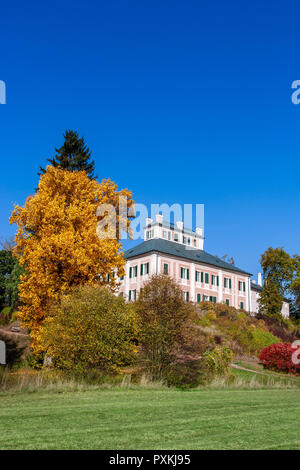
point(57, 241)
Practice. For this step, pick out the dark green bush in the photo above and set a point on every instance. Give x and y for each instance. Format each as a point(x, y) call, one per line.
point(186, 375)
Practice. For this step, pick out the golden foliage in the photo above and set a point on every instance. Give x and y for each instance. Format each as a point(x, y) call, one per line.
point(91, 328)
point(56, 241)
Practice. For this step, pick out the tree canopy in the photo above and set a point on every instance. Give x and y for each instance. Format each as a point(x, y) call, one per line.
point(281, 273)
point(57, 241)
point(73, 155)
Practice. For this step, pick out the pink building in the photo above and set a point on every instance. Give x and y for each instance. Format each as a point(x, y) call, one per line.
point(178, 252)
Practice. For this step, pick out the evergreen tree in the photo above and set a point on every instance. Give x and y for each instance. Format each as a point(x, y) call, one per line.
point(73, 155)
point(7, 263)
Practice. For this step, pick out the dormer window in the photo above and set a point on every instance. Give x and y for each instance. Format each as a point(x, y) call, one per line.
point(149, 234)
point(175, 237)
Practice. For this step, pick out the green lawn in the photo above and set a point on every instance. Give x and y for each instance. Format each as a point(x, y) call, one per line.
point(151, 419)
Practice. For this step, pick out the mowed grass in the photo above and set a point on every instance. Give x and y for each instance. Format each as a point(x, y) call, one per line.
point(151, 419)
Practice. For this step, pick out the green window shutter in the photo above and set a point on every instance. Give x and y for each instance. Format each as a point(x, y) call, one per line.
point(244, 286)
point(187, 296)
point(206, 278)
point(130, 295)
point(224, 281)
point(211, 279)
point(198, 297)
point(187, 274)
point(210, 298)
point(142, 268)
point(181, 271)
point(130, 272)
point(196, 276)
point(217, 280)
point(227, 302)
point(201, 276)
point(229, 283)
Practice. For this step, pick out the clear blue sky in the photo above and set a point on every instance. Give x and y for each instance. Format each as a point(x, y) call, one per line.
point(180, 101)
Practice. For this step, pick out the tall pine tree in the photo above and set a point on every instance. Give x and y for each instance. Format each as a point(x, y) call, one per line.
point(73, 155)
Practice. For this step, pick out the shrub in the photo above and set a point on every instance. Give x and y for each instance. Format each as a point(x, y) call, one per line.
point(186, 375)
point(249, 337)
point(279, 357)
point(217, 362)
point(163, 317)
point(91, 328)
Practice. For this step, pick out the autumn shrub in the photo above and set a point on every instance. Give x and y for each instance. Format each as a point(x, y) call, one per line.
point(217, 361)
point(165, 324)
point(90, 328)
point(281, 357)
point(284, 329)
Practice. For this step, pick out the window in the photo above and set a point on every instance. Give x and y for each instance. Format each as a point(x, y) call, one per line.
point(186, 296)
point(227, 283)
point(122, 278)
point(149, 234)
point(215, 280)
point(242, 305)
point(198, 298)
point(227, 302)
point(199, 276)
point(242, 286)
point(188, 241)
point(164, 234)
point(213, 299)
point(183, 239)
point(144, 269)
point(205, 298)
point(132, 295)
point(169, 235)
point(206, 278)
point(195, 242)
point(166, 268)
point(133, 271)
point(175, 237)
point(185, 273)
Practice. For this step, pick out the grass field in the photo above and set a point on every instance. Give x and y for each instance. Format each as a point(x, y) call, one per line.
point(151, 419)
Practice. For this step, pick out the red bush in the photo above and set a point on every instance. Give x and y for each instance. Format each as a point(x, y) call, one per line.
point(280, 356)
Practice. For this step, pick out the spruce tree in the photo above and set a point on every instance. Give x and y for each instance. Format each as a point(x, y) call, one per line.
point(73, 155)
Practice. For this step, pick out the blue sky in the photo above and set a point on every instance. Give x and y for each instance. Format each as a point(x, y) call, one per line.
point(180, 101)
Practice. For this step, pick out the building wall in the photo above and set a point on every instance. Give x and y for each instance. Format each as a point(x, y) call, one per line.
point(156, 266)
point(285, 311)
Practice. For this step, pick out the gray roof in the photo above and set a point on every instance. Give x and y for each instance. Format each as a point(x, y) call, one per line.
point(255, 286)
point(180, 251)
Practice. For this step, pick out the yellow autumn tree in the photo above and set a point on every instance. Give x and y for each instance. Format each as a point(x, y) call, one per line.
point(57, 243)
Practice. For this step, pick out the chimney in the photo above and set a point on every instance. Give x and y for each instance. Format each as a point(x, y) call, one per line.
point(259, 279)
point(179, 224)
point(159, 218)
point(148, 221)
point(199, 231)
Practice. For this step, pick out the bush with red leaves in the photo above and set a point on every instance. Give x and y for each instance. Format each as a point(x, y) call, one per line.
point(281, 357)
